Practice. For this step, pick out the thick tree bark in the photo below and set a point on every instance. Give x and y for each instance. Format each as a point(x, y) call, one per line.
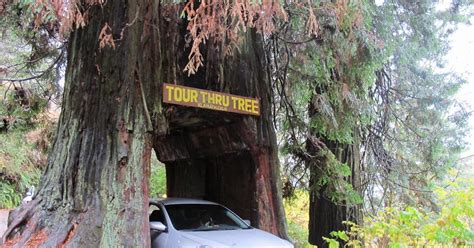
point(228, 158)
point(326, 216)
point(95, 190)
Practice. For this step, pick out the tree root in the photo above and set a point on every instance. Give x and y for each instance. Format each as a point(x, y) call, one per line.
point(20, 217)
point(27, 230)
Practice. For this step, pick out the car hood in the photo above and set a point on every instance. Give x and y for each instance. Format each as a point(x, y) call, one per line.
point(241, 238)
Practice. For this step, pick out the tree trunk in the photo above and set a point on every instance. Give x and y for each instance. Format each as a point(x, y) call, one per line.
point(227, 158)
point(326, 216)
point(94, 192)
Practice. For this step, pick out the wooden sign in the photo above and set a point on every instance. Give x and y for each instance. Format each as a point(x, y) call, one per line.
point(193, 97)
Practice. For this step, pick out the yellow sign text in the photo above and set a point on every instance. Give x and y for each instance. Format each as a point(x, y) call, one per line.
point(193, 97)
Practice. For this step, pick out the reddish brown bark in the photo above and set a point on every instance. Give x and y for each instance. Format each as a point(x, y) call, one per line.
point(325, 216)
point(225, 164)
point(95, 189)
point(203, 138)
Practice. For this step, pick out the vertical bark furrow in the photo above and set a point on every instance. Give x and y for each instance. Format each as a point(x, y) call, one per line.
point(95, 188)
point(188, 151)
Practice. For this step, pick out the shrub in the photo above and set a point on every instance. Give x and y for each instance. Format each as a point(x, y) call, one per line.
point(297, 209)
point(157, 178)
point(19, 168)
point(409, 226)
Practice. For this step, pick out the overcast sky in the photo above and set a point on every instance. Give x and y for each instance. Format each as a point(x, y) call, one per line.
point(461, 60)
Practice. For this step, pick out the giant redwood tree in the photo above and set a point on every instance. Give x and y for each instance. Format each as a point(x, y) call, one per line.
point(94, 192)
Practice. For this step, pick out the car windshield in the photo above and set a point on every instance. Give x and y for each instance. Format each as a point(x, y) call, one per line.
point(203, 217)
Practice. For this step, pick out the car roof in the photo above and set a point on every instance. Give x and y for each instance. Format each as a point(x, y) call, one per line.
point(177, 201)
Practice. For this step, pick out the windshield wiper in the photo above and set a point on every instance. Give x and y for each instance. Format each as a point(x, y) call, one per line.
point(205, 230)
point(228, 228)
point(215, 229)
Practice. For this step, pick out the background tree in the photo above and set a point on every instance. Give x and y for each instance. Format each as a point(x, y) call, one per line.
point(30, 69)
point(362, 104)
point(419, 125)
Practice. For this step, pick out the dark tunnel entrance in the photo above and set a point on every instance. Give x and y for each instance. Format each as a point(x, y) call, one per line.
point(224, 157)
point(211, 161)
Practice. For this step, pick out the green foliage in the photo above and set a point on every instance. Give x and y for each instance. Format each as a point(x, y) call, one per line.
point(29, 72)
point(157, 178)
point(373, 77)
point(325, 92)
point(296, 209)
point(9, 196)
point(348, 238)
point(32, 57)
point(22, 108)
point(416, 227)
point(297, 204)
point(417, 127)
point(36, 10)
point(298, 234)
point(19, 168)
point(332, 177)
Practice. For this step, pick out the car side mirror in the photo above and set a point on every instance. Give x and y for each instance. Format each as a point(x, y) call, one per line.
point(158, 226)
point(248, 222)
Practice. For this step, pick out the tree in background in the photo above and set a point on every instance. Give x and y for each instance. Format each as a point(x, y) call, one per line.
point(419, 126)
point(323, 91)
point(30, 69)
point(363, 106)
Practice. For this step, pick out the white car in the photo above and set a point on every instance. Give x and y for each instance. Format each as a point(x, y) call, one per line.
point(186, 223)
